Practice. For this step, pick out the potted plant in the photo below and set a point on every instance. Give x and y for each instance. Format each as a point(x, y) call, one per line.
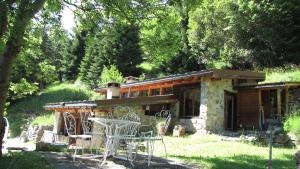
point(161, 127)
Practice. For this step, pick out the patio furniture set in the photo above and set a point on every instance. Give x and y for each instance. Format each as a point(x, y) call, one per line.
point(117, 133)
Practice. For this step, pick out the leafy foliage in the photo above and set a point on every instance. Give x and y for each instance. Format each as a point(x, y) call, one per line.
point(111, 74)
point(246, 34)
point(292, 124)
point(22, 89)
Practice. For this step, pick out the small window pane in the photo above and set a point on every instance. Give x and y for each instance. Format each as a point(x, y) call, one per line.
point(168, 90)
point(144, 93)
point(135, 94)
point(155, 92)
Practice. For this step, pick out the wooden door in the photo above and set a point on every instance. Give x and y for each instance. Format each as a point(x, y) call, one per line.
point(230, 111)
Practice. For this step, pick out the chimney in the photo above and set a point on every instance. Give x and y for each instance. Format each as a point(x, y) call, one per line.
point(131, 79)
point(113, 90)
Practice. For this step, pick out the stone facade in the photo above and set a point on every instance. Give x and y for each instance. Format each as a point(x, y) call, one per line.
point(211, 116)
point(294, 100)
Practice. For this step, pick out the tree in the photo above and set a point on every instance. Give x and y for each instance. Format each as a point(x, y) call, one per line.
point(111, 74)
point(247, 34)
point(18, 14)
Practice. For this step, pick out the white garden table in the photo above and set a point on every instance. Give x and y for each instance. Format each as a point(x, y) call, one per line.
point(113, 132)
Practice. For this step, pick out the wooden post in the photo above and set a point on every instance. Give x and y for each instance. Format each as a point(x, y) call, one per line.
point(259, 100)
point(286, 101)
point(279, 102)
point(160, 91)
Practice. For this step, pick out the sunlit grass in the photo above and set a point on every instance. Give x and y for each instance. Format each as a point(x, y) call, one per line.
point(47, 119)
point(214, 153)
point(282, 75)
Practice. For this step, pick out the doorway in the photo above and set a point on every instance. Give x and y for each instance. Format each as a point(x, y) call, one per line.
point(230, 110)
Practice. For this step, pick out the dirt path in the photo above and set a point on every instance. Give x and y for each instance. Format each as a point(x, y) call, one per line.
point(63, 161)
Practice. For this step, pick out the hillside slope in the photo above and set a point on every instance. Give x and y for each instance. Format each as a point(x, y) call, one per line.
point(30, 109)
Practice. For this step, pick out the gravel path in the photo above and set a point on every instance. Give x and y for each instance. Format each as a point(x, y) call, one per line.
point(63, 161)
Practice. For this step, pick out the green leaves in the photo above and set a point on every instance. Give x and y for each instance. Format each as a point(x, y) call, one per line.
point(111, 74)
point(22, 89)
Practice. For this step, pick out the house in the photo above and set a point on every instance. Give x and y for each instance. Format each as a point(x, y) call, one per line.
point(208, 100)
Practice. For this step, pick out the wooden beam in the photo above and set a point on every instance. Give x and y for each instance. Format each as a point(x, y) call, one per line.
point(286, 101)
point(279, 102)
point(259, 100)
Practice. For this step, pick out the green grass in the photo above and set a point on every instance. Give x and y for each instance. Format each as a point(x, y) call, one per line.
point(211, 152)
point(23, 160)
point(282, 75)
point(30, 109)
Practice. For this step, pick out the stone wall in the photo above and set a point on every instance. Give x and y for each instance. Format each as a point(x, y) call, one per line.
point(215, 103)
point(211, 116)
point(294, 100)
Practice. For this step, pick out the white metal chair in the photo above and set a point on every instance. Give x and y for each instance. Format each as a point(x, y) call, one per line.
point(163, 117)
point(89, 128)
point(71, 126)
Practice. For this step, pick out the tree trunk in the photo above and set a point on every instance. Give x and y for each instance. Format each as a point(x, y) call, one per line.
point(24, 14)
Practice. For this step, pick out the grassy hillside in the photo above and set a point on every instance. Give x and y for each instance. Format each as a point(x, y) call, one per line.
point(30, 109)
point(282, 75)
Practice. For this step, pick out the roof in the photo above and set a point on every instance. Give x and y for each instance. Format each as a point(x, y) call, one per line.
point(270, 85)
point(110, 102)
point(214, 73)
point(71, 104)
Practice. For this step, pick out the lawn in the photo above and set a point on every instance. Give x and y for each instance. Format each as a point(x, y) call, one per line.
point(211, 152)
point(23, 160)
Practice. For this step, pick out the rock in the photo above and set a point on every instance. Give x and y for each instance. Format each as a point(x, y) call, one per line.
point(282, 139)
point(39, 135)
point(23, 137)
point(178, 131)
point(251, 139)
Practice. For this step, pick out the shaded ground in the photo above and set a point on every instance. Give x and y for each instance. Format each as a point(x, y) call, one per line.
point(63, 161)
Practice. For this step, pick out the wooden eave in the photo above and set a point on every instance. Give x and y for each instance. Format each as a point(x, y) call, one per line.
point(238, 74)
point(70, 105)
point(137, 100)
point(188, 78)
point(270, 86)
point(76, 105)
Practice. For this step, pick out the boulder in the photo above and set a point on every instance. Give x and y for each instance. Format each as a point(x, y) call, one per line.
point(39, 135)
point(281, 139)
point(23, 136)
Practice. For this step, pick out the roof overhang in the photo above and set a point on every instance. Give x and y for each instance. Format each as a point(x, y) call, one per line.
point(148, 100)
point(70, 105)
point(270, 85)
point(213, 73)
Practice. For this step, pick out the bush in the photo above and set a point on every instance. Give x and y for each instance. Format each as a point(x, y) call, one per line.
point(292, 124)
point(111, 74)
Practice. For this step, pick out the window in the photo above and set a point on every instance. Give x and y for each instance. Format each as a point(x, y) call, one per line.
point(151, 110)
point(168, 90)
point(125, 95)
point(155, 92)
point(135, 94)
point(144, 93)
point(190, 103)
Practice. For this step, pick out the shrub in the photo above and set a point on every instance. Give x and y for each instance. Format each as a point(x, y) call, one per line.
point(111, 74)
point(292, 124)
